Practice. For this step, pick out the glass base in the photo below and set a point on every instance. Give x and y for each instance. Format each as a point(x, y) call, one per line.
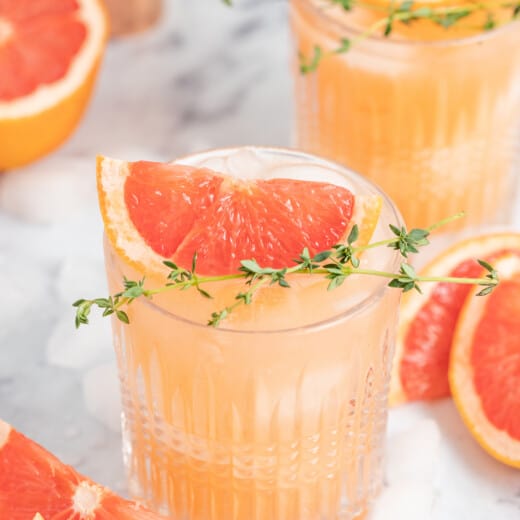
point(189, 478)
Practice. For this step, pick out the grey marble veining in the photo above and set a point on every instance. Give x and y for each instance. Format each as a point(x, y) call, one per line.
point(207, 76)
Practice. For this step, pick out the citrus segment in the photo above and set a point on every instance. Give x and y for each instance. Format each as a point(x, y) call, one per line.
point(427, 344)
point(49, 54)
point(164, 201)
point(485, 365)
point(154, 211)
point(270, 221)
point(495, 358)
point(428, 321)
point(35, 484)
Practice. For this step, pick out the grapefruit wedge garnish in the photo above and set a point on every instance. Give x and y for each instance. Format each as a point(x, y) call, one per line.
point(49, 54)
point(427, 322)
point(485, 365)
point(155, 211)
point(34, 484)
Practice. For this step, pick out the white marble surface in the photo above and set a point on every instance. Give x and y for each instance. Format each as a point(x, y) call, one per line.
point(207, 76)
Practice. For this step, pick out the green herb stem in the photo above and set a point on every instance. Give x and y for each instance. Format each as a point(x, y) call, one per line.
point(406, 12)
point(334, 265)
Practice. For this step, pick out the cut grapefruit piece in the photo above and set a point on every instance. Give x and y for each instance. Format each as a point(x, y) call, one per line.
point(485, 365)
point(49, 55)
point(34, 484)
point(155, 211)
point(427, 322)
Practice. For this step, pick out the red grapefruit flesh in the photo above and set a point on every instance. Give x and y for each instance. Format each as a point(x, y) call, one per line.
point(485, 365)
point(495, 357)
point(177, 210)
point(49, 55)
point(164, 201)
point(33, 481)
point(41, 38)
point(427, 345)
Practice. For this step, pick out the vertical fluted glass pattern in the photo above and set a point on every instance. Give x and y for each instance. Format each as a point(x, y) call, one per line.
point(280, 416)
point(231, 426)
point(436, 125)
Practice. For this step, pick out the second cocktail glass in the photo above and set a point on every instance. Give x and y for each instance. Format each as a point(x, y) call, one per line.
point(431, 114)
point(277, 415)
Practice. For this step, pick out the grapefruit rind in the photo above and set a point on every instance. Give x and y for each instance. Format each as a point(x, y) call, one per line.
point(130, 245)
point(475, 247)
point(497, 443)
point(122, 234)
point(367, 211)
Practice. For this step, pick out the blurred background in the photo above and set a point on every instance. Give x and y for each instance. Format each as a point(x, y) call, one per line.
point(203, 76)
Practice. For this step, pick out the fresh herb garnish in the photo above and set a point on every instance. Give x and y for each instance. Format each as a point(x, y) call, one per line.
point(334, 265)
point(406, 13)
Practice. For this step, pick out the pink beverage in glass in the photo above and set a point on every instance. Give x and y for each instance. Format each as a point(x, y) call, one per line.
point(430, 114)
point(278, 414)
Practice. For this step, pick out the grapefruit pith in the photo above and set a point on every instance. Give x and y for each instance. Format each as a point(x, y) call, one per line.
point(34, 484)
point(49, 55)
point(428, 321)
point(485, 365)
point(154, 211)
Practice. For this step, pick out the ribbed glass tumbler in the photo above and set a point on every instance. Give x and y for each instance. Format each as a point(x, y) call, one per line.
point(279, 415)
point(431, 117)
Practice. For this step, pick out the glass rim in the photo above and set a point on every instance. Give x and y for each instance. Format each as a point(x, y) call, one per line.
point(449, 42)
point(375, 295)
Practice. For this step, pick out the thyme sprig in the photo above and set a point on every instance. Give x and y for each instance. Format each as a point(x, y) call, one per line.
point(406, 13)
point(335, 265)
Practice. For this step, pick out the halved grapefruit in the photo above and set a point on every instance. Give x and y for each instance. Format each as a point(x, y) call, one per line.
point(427, 322)
point(34, 484)
point(49, 55)
point(485, 365)
point(154, 211)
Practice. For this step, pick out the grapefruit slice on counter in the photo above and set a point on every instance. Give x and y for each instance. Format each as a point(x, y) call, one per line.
point(35, 485)
point(155, 211)
point(485, 365)
point(49, 55)
point(427, 322)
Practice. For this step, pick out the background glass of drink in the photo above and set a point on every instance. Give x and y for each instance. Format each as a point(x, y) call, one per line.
point(431, 114)
point(280, 413)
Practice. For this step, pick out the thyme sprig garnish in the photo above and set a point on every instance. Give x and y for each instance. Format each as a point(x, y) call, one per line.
point(335, 265)
point(406, 13)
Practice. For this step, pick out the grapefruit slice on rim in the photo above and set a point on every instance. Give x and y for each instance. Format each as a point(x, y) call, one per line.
point(49, 55)
point(427, 322)
point(155, 211)
point(34, 484)
point(485, 365)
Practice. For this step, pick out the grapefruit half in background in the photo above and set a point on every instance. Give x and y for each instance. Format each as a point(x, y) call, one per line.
point(50, 51)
